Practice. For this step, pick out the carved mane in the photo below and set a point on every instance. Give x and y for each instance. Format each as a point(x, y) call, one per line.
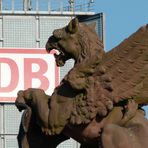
point(88, 39)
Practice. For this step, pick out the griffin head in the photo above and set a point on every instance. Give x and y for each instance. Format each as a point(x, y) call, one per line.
point(72, 41)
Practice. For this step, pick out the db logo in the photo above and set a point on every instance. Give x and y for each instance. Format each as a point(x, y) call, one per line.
point(25, 68)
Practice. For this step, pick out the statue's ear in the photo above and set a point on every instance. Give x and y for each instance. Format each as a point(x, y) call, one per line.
point(73, 25)
point(92, 26)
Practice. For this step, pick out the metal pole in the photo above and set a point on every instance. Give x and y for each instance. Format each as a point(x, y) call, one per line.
point(71, 2)
point(24, 5)
point(27, 5)
point(0, 5)
point(49, 5)
point(37, 5)
point(12, 5)
point(61, 6)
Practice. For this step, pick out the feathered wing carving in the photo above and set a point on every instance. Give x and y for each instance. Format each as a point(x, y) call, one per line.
point(127, 66)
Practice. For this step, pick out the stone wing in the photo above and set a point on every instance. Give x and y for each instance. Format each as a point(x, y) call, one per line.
point(127, 66)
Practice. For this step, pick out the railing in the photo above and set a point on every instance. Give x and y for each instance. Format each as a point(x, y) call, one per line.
point(47, 5)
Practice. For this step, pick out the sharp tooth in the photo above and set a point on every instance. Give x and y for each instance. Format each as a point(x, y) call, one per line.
point(55, 55)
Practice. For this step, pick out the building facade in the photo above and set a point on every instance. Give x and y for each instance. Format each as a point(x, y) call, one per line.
point(24, 25)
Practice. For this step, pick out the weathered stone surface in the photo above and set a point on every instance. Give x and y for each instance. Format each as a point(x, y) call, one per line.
point(98, 103)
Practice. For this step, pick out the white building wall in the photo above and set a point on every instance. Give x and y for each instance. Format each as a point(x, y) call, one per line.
point(27, 31)
point(22, 31)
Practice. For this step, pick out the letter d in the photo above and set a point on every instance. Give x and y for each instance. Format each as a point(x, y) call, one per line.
point(14, 72)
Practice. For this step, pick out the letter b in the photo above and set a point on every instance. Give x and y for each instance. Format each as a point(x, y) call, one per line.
point(29, 74)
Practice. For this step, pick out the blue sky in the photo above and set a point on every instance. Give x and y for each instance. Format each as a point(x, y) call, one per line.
point(123, 17)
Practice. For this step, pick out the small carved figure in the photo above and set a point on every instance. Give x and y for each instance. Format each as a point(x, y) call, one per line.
point(98, 103)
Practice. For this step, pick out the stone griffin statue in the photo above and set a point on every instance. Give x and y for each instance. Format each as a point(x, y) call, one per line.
point(99, 102)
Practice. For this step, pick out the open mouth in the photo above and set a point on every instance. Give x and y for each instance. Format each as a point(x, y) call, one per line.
point(60, 56)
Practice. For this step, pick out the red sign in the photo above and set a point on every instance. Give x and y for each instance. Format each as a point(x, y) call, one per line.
point(24, 68)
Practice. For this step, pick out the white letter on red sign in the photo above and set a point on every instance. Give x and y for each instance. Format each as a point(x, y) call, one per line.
point(14, 75)
point(29, 74)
